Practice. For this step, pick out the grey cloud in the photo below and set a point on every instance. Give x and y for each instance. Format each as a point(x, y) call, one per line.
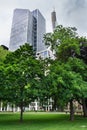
point(75, 5)
point(75, 12)
point(69, 13)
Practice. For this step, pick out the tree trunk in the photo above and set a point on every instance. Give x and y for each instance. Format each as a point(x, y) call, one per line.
point(71, 110)
point(21, 113)
point(12, 107)
point(54, 107)
point(84, 103)
point(21, 103)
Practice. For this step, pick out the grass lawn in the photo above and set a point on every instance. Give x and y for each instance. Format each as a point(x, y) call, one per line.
point(41, 121)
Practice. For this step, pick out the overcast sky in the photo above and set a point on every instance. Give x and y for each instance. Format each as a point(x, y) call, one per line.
point(69, 13)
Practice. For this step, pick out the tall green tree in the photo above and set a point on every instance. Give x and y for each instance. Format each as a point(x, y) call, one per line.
point(83, 56)
point(3, 54)
point(66, 85)
point(66, 44)
point(23, 71)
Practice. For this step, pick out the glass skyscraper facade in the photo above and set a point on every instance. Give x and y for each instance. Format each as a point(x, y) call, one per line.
point(41, 29)
point(27, 27)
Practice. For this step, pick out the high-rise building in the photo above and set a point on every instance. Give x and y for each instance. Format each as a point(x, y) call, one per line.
point(41, 29)
point(54, 20)
point(27, 27)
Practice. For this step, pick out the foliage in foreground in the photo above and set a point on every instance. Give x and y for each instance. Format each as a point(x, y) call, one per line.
point(24, 78)
point(22, 75)
point(68, 71)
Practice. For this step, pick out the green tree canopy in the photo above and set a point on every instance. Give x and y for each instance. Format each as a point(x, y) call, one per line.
point(3, 54)
point(23, 74)
point(67, 72)
point(64, 41)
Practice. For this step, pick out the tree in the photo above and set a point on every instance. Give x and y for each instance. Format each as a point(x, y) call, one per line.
point(83, 56)
point(66, 44)
point(66, 85)
point(23, 71)
point(3, 54)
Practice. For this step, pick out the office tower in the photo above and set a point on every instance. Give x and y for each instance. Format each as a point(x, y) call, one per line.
point(41, 29)
point(27, 27)
point(53, 18)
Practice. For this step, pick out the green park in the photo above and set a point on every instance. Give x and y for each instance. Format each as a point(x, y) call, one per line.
point(25, 78)
point(41, 121)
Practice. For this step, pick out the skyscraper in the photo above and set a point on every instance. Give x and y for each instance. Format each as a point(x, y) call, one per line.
point(53, 18)
point(41, 29)
point(27, 27)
